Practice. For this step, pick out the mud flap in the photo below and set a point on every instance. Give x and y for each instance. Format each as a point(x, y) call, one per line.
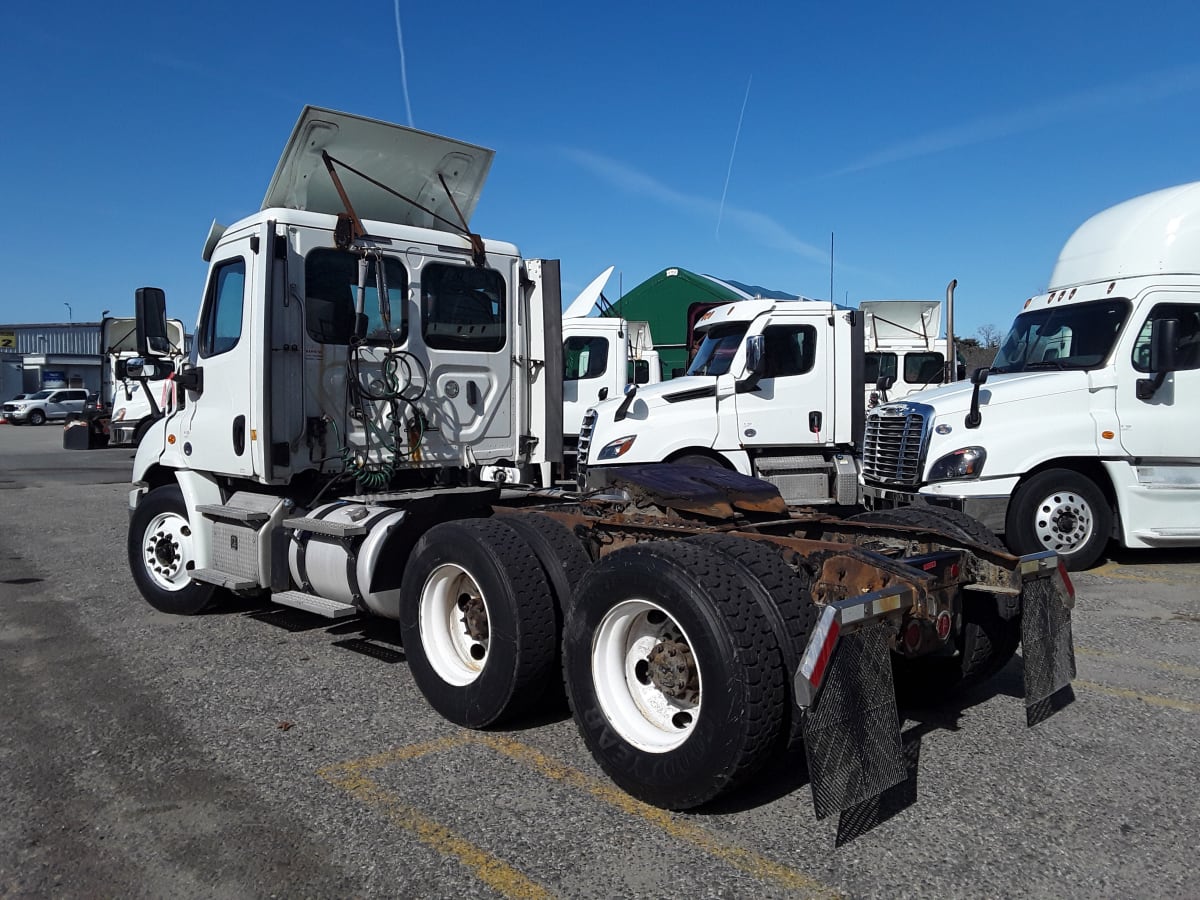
point(1047, 647)
point(852, 731)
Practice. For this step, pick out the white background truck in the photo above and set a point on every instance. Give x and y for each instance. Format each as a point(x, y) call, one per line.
point(1085, 428)
point(129, 404)
point(601, 356)
point(904, 342)
point(362, 360)
point(774, 391)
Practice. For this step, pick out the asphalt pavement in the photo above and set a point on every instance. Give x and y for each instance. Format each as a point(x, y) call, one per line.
point(256, 751)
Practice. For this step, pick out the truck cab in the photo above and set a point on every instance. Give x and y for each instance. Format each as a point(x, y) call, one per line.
point(1084, 429)
point(903, 345)
point(771, 392)
point(382, 346)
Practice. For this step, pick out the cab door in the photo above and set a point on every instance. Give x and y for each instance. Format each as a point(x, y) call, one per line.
point(216, 426)
point(788, 406)
point(1163, 427)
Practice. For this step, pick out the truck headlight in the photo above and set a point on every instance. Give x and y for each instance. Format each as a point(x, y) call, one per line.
point(616, 448)
point(966, 462)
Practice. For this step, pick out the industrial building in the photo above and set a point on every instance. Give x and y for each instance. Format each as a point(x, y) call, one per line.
point(38, 356)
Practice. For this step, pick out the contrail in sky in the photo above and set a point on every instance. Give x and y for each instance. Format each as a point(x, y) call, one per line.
point(736, 135)
point(403, 69)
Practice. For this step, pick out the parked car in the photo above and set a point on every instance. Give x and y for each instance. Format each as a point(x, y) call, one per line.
point(53, 404)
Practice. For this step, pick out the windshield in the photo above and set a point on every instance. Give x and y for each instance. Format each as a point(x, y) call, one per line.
point(40, 395)
point(717, 350)
point(1062, 337)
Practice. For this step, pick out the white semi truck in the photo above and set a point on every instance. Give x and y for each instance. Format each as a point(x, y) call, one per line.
point(1084, 429)
point(125, 405)
point(602, 355)
point(362, 361)
point(905, 346)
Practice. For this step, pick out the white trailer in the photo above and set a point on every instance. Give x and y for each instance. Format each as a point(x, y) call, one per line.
point(363, 361)
point(1084, 429)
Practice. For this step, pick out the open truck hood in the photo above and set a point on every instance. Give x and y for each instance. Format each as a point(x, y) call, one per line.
point(901, 321)
point(406, 160)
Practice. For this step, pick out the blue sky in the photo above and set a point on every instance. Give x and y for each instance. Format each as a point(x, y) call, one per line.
point(934, 140)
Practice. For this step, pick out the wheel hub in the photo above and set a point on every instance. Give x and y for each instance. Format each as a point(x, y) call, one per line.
point(672, 669)
point(1064, 521)
point(474, 617)
point(163, 553)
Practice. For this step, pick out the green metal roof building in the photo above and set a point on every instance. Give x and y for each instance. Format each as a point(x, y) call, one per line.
point(671, 302)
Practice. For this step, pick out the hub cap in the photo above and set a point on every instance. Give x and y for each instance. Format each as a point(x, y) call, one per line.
point(167, 551)
point(1064, 521)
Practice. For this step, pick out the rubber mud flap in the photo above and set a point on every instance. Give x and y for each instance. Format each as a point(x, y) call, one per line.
point(852, 731)
point(1046, 645)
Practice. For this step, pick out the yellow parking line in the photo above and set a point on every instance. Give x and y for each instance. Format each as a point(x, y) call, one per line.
point(493, 872)
point(1109, 570)
point(1152, 699)
point(351, 777)
point(741, 858)
point(1174, 668)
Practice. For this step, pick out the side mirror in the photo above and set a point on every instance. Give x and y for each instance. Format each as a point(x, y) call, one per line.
point(150, 304)
point(122, 369)
point(1164, 357)
point(641, 371)
point(1164, 341)
point(978, 378)
point(756, 355)
point(131, 368)
point(885, 382)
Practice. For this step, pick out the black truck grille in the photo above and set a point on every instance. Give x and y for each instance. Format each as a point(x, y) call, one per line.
point(893, 445)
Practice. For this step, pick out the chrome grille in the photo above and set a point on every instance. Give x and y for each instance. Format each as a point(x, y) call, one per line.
point(585, 441)
point(893, 445)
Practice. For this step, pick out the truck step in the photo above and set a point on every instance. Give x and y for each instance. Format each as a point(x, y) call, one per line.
point(233, 513)
point(321, 526)
point(223, 579)
point(330, 609)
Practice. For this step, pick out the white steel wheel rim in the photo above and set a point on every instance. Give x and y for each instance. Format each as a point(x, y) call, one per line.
point(1064, 521)
point(455, 648)
point(167, 551)
point(636, 708)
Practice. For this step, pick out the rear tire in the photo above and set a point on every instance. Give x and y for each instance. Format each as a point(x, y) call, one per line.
point(673, 672)
point(477, 621)
point(986, 642)
point(161, 557)
point(787, 603)
point(1063, 511)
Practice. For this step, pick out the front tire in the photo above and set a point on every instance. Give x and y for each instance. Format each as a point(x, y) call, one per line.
point(161, 555)
point(477, 621)
point(1063, 511)
point(673, 673)
point(37, 417)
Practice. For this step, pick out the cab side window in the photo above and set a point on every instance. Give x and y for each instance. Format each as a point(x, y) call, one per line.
point(1188, 347)
point(790, 350)
point(585, 357)
point(462, 308)
point(222, 326)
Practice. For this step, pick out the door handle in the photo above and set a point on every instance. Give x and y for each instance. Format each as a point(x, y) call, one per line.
point(814, 421)
point(239, 435)
point(472, 393)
